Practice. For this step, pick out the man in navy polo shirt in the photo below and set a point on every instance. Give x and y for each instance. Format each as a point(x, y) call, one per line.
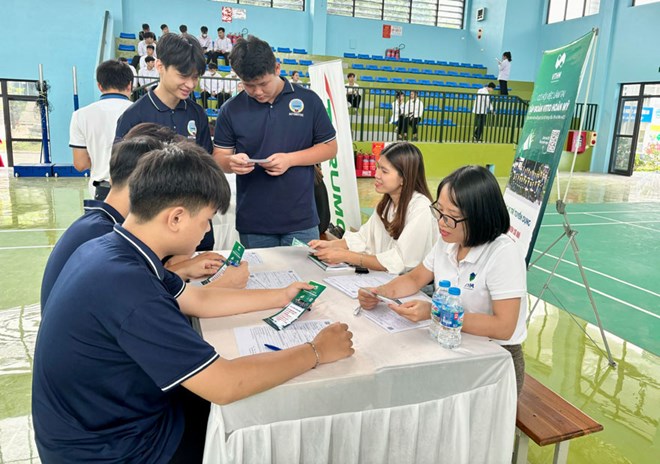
point(180, 62)
point(288, 128)
point(110, 358)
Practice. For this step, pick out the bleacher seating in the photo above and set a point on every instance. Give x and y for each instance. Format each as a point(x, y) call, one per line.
point(126, 48)
point(350, 55)
point(290, 61)
point(372, 67)
point(127, 35)
point(424, 82)
point(306, 62)
point(224, 68)
point(283, 50)
point(382, 79)
point(376, 57)
point(367, 78)
point(416, 60)
point(411, 81)
point(363, 56)
point(300, 51)
point(429, 62)
point(358, 66)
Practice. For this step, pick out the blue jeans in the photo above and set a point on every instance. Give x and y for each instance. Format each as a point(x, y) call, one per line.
point(275, 240)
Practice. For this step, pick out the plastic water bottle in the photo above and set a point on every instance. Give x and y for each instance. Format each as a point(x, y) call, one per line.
point(451, 320)
point(437, 302)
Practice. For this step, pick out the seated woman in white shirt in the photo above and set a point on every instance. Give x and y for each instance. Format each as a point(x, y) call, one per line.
point(475, 255)
point(401, 230)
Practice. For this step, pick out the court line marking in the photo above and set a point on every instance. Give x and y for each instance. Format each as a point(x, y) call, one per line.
point(601, 273)
point(596, 212)
point(26, 247)
point(32, 230)
point(646, 311)
point(634, 224)
point(612, 222)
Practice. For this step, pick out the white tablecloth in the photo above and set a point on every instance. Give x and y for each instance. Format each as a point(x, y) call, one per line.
point(401, 398)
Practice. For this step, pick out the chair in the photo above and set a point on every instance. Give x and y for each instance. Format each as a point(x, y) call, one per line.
point(416, 60)
point(455, 63)
point(443, 63)
point(358, 66)
point(290, 61)
point(410, 81)
point(427, 71)
point(362, 56)
point(306, 62)
point(367, 78)
point(350, 55)
point(396, 80)
point(464, 85)
point(425, 82)
point(439, 83)
point(126, 48)
point(466, 65)
point(386, 68)
point(400, 69)
point(404, 60)
point(452, 73)
point(283, 50)
point(465, 74)
point(383, 80)
point(440, 72)
point(283, 72)
point(300, 51)
point(224, 68)
point(476, 86)
point(372, 67)
point(376, 57)
point(429, 62)
point(127, 35)
point(414, 71)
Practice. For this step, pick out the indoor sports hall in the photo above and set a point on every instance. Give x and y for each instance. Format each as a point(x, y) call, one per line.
point(445, 51)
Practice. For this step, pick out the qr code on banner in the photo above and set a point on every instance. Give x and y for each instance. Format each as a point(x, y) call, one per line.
point(552, 143)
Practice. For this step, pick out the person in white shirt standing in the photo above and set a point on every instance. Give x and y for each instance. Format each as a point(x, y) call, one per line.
point(149, 39)
point(133, 70)
point(401, 231)
point(206, 42)
point(211, 84)
point(482, 106)
point(504, 67)
point(151, 51)
point(92, 129)
point(221, 47)
point(413, 110)
point(148, 74)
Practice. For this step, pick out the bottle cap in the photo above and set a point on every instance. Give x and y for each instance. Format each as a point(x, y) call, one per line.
point(444, 284)
point(454, 291)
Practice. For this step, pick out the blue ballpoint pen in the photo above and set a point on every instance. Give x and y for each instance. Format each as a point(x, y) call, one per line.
point(272, 347)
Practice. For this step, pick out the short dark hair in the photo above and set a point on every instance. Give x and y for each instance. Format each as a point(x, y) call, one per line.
point(204, 29)
point(113, 74)
point(212, 65)
point(149, 59)
point(149, 35)
point(145, 26)
point(507, 55)
point(183, 52)
point(122, 59)
point(183, 28)
point(221, 29)
point(252, 58)
point(475, 191)
point(293, 73)
point(125, 156)
point(163, 26)
point(151, 47)
point(350, 75)
point(150, 129)
point(180, 174)
point(491, 85)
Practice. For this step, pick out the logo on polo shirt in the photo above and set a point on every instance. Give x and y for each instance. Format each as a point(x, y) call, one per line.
point(192, 128)
point(296, 106)
point(470, 285)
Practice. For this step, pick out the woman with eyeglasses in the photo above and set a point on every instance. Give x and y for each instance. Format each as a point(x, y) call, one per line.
point(401, 230)
point(475, 255)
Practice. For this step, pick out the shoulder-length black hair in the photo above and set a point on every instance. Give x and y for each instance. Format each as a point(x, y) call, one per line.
point(475, 191)
point(407, 160)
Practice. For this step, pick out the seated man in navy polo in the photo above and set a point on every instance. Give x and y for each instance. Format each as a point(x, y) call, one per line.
point(288, 127)
point(180, 62)
point(110, 358)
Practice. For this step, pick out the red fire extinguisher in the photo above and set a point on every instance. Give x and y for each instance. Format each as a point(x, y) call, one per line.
point(359, 161)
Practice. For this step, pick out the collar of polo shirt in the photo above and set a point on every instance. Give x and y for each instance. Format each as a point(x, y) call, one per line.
point(150, 257)
point(472, 256)
point(162, 107)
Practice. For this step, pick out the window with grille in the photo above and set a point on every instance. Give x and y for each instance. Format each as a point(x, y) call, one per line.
point(442, 13)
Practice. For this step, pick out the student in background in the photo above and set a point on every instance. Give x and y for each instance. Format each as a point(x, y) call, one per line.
point(164, 30)
point(504, 66)
point(398, 114)
point(414, 110)
point(205, 41)
point(179, 65)
point(288, 127)
point(145, 29)
point(151, 51)
point(353, 96)
point(482, 106)
point(148, 75)
point(149, 40)
point(476, 255)
point(183, 29)
point(295, 77)
point(401, 231)
point(91, 131)
point(210, 84)
point(221, 47)
point(110, 360)
point(133, 70)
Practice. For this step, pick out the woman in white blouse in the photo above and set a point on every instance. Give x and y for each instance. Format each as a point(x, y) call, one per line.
point(504, 67)
point(401, 231)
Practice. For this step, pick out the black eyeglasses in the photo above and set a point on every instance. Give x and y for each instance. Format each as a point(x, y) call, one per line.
point(451, 222)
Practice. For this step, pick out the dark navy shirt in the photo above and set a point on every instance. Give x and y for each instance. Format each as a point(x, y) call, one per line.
point(296, 120)
point(187, 119)
point(98, 220)
point(112, 347)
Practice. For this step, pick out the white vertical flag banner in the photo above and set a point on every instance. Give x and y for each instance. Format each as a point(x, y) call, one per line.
point(327, 80)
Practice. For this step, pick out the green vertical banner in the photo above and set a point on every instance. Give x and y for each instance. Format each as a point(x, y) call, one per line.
point(543, 137)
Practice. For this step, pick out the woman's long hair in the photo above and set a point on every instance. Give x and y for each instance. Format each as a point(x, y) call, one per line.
point(407, 160)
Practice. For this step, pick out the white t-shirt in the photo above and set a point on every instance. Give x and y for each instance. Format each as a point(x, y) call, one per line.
point(494, 271)
point(205, 42)
point(414, 108)
point(482, 103)
point(505, 70)
point(211, 86)
point(142, 48)
point(222, 45)
point(416, 240)
point(93, 128)
point(148, 74)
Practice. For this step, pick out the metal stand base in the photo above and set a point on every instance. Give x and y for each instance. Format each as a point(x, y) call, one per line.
point(572, 242)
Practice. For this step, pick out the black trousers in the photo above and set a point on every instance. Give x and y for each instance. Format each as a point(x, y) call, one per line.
point(213, 57)
point(196, 411)
point(412, 122)
point(479, 122)
point(354, 99)
point(102, 189)
point(504, 87)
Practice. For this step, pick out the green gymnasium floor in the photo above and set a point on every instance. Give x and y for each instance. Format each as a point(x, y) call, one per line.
point(618, 220)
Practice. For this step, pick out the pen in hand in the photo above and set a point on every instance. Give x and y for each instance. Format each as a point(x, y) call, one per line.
point(272, 347)
point(356, 311)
